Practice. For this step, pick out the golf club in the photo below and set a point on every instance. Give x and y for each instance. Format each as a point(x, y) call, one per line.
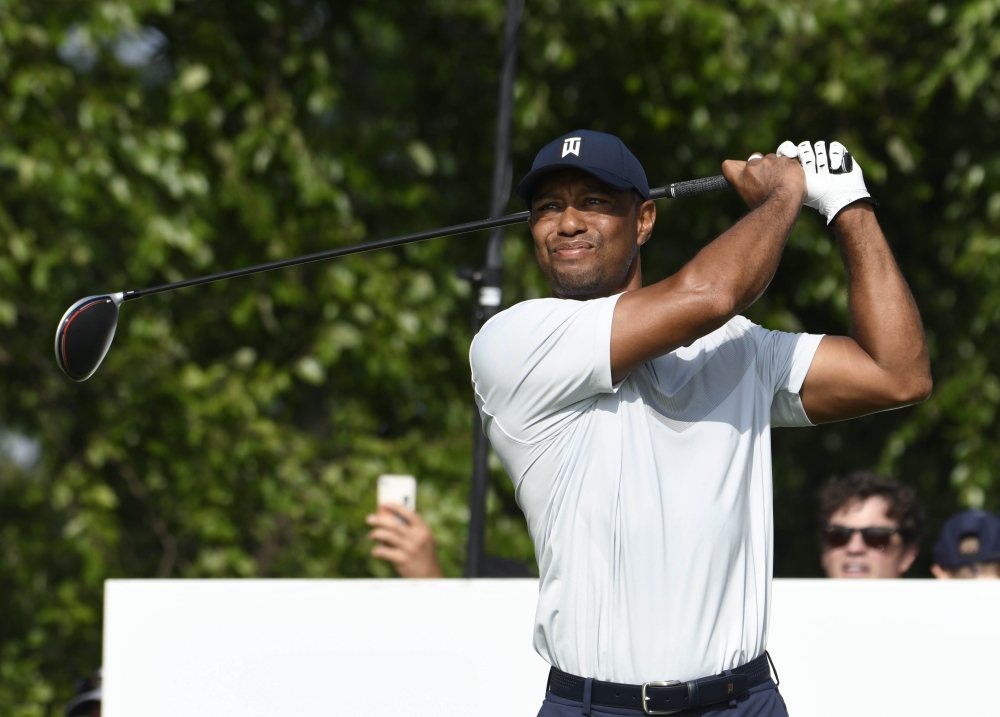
point(86, 330)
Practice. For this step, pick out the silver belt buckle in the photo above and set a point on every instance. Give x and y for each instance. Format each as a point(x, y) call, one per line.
point(666, 683)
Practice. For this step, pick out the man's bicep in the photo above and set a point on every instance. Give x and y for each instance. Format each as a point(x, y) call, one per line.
point(845, 382)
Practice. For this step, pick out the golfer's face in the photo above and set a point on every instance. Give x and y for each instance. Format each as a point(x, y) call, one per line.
point(586, 235)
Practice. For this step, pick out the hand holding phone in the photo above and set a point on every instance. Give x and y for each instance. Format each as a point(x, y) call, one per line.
point(398, 489)
point(401, 536)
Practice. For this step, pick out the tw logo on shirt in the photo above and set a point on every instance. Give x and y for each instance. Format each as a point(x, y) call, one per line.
point(571, 145)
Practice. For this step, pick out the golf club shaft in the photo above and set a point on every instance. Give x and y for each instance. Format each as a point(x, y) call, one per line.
point(676, 190)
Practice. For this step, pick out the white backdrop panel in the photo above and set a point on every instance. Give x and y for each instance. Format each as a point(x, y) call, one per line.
point(886, 647)
point(307, 648)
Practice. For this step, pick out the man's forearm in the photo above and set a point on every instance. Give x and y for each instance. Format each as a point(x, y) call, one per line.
point(885, 321)
point(741, 262)
point(723, 278)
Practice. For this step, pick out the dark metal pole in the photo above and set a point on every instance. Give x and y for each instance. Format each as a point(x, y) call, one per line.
point(491, 278)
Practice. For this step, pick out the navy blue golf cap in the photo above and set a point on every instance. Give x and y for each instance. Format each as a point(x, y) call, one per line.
point(954, 548)
point(602, 155)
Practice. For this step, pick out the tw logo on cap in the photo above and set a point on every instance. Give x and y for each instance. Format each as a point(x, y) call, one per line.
point(571, 145)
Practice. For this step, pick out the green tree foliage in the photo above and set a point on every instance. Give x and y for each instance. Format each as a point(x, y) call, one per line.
point(237, 429)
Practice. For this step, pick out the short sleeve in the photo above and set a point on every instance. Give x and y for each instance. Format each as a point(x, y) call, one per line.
point(534, 361)
point(783, 360)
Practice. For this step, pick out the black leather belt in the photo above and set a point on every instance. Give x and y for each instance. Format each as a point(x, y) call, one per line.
point(664, 698)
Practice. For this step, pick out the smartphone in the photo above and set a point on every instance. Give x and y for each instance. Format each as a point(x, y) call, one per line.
point(398, 489)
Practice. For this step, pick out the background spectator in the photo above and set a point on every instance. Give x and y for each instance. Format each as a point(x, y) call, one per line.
point(87, 700)
point(871, 526)
point(405, 540)
point(968, 547)
point(410, 547)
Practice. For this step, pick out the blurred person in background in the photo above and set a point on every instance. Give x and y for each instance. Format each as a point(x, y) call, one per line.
point(968, 547)
point(87, 700)
point(871, 526)
point(405, 540)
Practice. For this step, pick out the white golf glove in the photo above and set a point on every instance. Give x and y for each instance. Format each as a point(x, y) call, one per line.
point(830, 184)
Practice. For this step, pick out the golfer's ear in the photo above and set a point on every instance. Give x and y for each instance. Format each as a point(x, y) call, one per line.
point(646, 220)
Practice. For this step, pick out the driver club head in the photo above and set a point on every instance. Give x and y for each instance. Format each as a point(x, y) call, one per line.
point(84, 335)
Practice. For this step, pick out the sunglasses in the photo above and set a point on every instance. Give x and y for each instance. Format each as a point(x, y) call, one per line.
point(837, 536)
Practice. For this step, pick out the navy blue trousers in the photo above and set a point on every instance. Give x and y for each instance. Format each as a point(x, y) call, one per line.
point(761, 701)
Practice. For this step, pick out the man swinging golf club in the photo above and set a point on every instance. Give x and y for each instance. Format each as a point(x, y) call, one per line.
point(635, 421)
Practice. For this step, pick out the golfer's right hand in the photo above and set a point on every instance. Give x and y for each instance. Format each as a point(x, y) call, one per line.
point(763, 176)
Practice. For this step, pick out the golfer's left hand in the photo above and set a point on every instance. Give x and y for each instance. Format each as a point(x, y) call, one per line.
point(832, 182)
point(407, 545)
